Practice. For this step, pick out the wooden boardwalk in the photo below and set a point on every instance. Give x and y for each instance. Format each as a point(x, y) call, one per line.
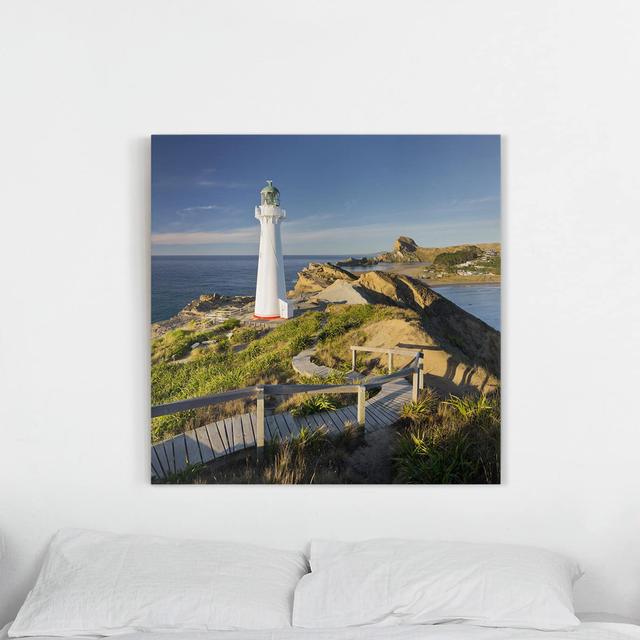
point(302, 364)
point(221, 438)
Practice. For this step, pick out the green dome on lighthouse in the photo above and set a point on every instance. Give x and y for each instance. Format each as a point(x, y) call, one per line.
point(270, 194)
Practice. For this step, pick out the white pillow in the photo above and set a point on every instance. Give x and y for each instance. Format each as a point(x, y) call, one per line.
point(410, 582)
point(106, 584)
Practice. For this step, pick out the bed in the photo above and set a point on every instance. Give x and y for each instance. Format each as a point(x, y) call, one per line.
point(96, 584)
point(590, 630)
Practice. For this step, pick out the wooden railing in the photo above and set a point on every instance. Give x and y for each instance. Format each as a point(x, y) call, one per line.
point(390, 351)
point(260, 392)
point(415, 368)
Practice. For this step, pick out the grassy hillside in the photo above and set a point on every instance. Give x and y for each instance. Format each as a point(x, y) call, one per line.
point(246, 358)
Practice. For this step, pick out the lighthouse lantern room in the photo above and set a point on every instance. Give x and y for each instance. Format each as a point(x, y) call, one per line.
point(271, 294)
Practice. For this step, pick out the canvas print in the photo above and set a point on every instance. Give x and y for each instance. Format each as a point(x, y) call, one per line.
point(325, 309)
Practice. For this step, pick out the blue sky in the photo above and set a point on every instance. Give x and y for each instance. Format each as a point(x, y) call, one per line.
point(343, 194)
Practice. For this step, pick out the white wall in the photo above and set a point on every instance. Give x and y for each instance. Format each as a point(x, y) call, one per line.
point(84, 85)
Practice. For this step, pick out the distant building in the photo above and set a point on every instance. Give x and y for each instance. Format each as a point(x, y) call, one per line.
point(271, 292)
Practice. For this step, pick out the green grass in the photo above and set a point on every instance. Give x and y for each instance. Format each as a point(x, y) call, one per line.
point(419, 411)
point(265, 359)
point(472, 407)
point(313, 404)
point(177, 343)
point(456, 440)
point(344, 327)
point(344, 319)
point(246, 334)
point(458, 443)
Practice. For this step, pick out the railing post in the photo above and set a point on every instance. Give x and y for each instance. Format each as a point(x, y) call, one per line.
point(362, 394)
point(414, 390)
point(260, 422)
point(421, 371)
point(390, 361)
point(353, 359)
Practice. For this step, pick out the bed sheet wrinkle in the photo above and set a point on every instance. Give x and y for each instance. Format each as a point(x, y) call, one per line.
point(447, 631)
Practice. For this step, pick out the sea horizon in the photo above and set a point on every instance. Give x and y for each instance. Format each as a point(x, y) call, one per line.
point(176, 280)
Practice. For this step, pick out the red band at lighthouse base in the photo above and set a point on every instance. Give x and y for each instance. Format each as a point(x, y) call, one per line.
point(267, 317)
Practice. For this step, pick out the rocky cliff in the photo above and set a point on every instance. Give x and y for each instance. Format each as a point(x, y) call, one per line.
point(318, 276)
point(459, 337)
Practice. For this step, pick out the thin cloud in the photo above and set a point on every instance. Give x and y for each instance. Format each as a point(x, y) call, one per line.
point(232, 236)
point(480, 200)
point(204, 207)
point(298, 236)
point(222, 184)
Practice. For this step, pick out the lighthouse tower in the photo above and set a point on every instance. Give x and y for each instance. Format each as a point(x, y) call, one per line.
point(271, 294)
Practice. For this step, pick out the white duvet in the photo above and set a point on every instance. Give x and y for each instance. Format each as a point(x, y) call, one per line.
point(450, 631)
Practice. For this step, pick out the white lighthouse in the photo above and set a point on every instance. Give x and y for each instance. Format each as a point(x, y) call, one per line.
point(271, 293)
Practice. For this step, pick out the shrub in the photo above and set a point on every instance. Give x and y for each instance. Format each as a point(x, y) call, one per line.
point(228, 324)
point(470, 407)
point(457, 444)
point(311, 440)
point(418, 411)
point(313, 404)
point(447, 260)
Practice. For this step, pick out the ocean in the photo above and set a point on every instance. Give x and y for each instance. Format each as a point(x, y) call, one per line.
point(176, 280)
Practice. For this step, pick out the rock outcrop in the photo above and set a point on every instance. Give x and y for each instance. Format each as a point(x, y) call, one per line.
point(206, 311)
point(357, 262)
point(318, 276)
point(341, 291)
point(460, 335)
point(445, 321)
point(206, 302)
point(406, 249)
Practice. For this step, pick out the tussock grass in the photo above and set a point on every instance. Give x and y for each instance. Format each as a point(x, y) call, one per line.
point(457, 443)
point(419, 411)
point(313, 404)
point(313, 457)
point(452, 441)
point(292, 403)
point(470, 407)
